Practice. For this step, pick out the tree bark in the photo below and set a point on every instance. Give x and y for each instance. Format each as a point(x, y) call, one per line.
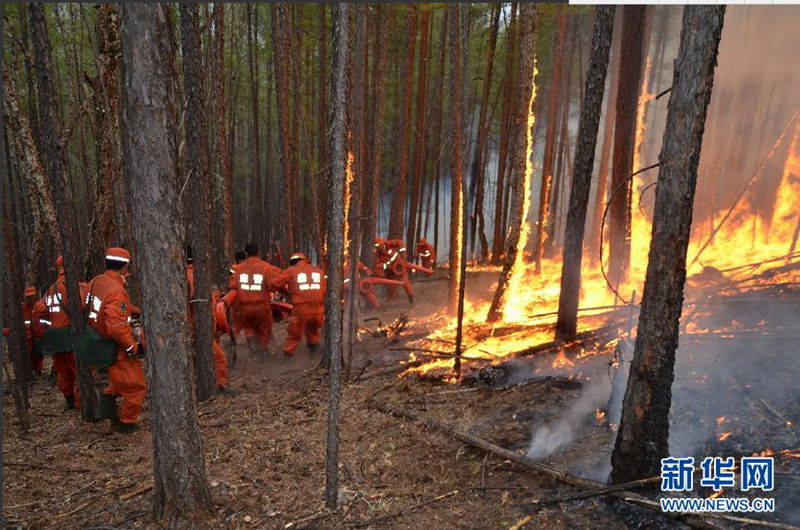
point(507, 112)
point(456, 161)
point(199, 233)
point(399, 190)
point(222, 136)
point(523, 163)
point(335, 216)
point(437, 134)
point(549, 145)
point(642, 440)
point(255, 209)
point(322, 148)
point(280, 47)
point(567, 322)
point(54, 157)
point(630, 74)
point(180, 487)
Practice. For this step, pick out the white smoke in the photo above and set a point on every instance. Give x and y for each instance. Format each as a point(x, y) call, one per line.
point(548, 438)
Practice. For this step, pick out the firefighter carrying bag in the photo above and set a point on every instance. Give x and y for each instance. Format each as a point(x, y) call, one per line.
point(94, 349)
point(56, 340)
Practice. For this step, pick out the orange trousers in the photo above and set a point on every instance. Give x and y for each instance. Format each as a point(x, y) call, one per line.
point(67, 372)
point(391, 290)
point(220, 364)
point(298, 326)
point(127, 380)
point(256, 320)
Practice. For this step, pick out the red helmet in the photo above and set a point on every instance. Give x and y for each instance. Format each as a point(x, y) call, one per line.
point(297, 256)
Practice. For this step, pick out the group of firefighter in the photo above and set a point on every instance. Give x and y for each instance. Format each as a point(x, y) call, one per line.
point(254, 287)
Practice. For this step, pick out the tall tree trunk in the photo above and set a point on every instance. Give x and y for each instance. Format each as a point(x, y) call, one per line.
point(523, 162)
point(199, 233)
point(456, 162)
point(377, 141)
point(38, 186)
point(54, 157)
point(399, 190)
point(506, 116)
point(254, 207)
point(322, 95)
point(180, 486)
point(280, 47)
point(478, 161)
point(222, 135)
point(642, 440)
point(549, 144)
point(630, 74)
point(419, 129)
point(582, 178)
point(608, 141)
point(335, 216)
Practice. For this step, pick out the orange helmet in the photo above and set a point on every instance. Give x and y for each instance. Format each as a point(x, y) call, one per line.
point(297, 256)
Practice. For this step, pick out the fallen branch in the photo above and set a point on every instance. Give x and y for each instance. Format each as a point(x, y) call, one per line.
point(392, 515)
point(695, 521)
point(305, 520)
point(144, 488)
point(577, 339)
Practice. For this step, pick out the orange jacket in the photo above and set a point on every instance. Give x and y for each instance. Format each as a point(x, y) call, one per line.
point(232, 275)
point(306, 284)
point(110, 309)
point(55, 304)
point(253, 278)
point(425, 251)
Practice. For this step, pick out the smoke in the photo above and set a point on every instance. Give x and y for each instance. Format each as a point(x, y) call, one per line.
point(562, 431)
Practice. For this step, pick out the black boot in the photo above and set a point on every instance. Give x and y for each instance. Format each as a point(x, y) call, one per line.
point(70, 402)
point(107, 408)
point(411, 299)
point(124, 428)
point(313, 346)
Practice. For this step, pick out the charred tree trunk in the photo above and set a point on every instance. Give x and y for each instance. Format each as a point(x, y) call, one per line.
point(280, 47)
point(399, 190)
point(479, 162)
point(335, 216)
point(456, 157)
point(419, 129)
point(222, 135)
point(523, 163)
point(377, 141)
point(199, 233)
point(642, 440)
point(180, 487)
point(630, 74)
point(506, 116)
point(549, 144)
point(582, 178)
point(608, 141)
point(55, 167)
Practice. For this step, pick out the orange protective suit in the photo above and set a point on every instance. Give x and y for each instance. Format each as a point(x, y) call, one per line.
point(306, 285)
point(28, 313)
point(52, 313)
point(396, 249)
point(220, 360)
point(251, 298)
point(109, 314)
point(426, 254)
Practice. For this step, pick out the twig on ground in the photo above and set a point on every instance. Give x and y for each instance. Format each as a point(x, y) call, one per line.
point(401, 511)
point(138, 491)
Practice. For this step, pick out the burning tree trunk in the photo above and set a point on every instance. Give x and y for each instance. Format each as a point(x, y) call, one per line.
point(549, 144)
point(280, 47)
point(148, 95)
point(523, 164)
point(642, 440)
point(397, 214)
point(456, 170)
point(222, 137)
point(55, 167)
point(582, 178)
point(506, 116)
point(199, 234)
point(630, 74)
point(335, 216)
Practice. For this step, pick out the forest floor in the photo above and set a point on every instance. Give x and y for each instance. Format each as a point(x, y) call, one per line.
point(265, 449)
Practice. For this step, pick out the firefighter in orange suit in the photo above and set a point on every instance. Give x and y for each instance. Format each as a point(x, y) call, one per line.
point(250, 296)
point(30, 307)
point(396, 249)
point(220, 361)
point(306, 286)
point(52, 314)
point(235, 328)
point(426, 254)
point(109, 310)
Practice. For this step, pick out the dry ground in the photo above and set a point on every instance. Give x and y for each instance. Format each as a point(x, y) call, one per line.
point(265, 451)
